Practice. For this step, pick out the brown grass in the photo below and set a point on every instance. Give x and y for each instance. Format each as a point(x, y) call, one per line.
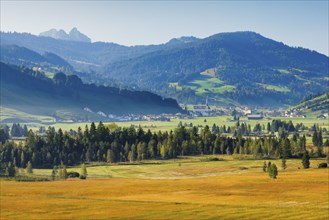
point(296, 194)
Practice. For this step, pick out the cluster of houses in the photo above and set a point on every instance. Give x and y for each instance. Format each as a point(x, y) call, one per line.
point(323, 116)
point(137, 117)
point(206, 111)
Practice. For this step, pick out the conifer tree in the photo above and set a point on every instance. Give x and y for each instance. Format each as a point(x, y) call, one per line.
point(306, 160)
point(54, 173)
point(284, 163)
point(273, 171)
point(83, 174)
point(62, 171)
point(10, 170)
point(29, 168)
point(264, 166)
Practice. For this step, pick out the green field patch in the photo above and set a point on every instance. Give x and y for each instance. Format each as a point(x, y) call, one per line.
point(284, 71)
point(275, 88)
point(9, 115)
point(299, 70)
point(210, 86)
point(300, 78)
point(175, 85)
point(223, 89)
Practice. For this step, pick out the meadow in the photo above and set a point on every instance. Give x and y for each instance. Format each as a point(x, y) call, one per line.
point(199, 121)
point(185, 188)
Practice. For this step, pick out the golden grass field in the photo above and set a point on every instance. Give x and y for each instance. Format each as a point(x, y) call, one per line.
point(230, 189)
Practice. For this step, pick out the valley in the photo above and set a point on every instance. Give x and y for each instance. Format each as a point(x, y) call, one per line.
point(164, 110)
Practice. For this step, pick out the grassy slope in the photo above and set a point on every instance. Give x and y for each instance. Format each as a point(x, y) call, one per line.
point(316, 101)
point(207, 85)
point(275, 88)
point(194, 190)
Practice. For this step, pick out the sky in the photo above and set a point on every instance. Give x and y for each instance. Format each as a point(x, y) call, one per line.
point(295, 23)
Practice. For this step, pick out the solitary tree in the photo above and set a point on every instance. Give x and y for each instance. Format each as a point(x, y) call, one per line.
point(62, 172)
point(264, 166)
point(273, 171)
point(268, 165)
point(54, 173)
point(284, 163)
point(29, 168)
point(84, 173)
point(306, 160)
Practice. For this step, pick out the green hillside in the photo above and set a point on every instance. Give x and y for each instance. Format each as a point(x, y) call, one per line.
point(65, 97)
point(242, 66)
point(319, 102)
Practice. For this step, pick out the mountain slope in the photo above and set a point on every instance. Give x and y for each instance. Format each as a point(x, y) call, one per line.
point(22, 56)
point(239, 67)
point(84, 56)
point(67, 95)
point(315, 102)
point(245, 67)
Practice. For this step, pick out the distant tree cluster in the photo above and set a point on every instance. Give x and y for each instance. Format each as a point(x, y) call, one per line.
point(18, 131)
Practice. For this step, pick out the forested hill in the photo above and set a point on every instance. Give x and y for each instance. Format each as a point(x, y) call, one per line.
point(32, 92)
point(240, 67)
point(243, 66)
point(22, 56)
point(316, 102)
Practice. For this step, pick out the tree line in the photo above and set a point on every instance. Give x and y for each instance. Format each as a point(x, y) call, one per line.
point(99, 143)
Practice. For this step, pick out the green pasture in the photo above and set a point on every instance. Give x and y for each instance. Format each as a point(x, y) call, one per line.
point(181, 168)
point(275, 88)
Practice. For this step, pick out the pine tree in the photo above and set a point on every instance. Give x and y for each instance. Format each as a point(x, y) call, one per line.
point(54, 173)
point(315, 138)
point(109, 156)
point(83, 174)
point(62, 172)
point(130, 156)
point(273, 171)
point(284, 163)
point(306, 160)
point(10, 170)
point(29, 168)
point(264, 166)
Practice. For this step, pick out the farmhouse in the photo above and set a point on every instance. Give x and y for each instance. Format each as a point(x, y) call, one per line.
point(321, 117)
point(203, 110)
point(255, 117)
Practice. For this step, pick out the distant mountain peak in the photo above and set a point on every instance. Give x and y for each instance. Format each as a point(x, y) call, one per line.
point(183, 40)
point(73, 35)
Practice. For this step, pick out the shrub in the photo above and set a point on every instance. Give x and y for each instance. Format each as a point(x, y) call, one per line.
point(30, 179)
point(83, 177)
point(208, 159)
point(73, 174)
point(322, 165)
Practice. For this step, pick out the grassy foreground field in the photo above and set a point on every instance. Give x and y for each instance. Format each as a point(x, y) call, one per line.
point(175, 189)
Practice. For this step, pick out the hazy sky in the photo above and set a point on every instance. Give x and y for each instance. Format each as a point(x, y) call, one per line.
point(296, 23)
